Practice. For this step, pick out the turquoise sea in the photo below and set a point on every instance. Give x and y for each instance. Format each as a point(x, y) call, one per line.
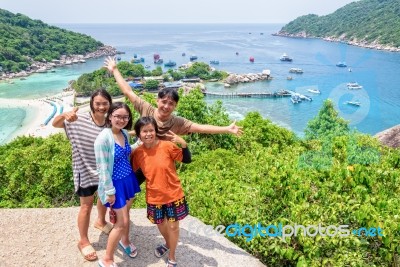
point(376, 71)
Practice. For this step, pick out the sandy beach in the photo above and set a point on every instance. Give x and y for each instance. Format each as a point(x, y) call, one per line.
point(37, 112)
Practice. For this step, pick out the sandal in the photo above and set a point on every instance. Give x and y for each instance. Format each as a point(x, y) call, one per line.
point(171, 263)
point(161, 250)
point(105, 229)
point(88, 253)
point(130, 250)
point(101, 264)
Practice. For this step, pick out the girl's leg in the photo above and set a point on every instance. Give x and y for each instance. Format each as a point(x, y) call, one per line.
point(173, 235)
point(116, 234)
point(84, 220)
point(170, 232)
point(125, 233)
point(101, 214)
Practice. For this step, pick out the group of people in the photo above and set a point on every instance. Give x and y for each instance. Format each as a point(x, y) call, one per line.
point(103, 162)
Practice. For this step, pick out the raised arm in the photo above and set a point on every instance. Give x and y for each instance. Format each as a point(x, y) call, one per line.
point(212, 129)
point(69, 116)
point(126, 89)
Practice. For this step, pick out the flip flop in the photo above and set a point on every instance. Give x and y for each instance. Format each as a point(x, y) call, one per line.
point(105, 229)
point(88, 253)
point(161, 250)
point(130, 250)
point(101, 264)
point(171, 263)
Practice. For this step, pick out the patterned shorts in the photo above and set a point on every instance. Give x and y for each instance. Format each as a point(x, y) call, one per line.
point(174, 211)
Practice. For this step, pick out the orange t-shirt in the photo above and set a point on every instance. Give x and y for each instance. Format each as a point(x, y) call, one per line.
point(158, 166)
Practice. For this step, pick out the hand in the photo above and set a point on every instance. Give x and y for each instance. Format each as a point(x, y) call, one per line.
point(71, 116)
point(234, 129)
point(111, 199)
point(171, 136)
point(110, 64)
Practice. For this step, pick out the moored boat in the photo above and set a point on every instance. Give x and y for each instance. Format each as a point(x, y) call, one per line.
point(285, 57)
point(341, 64)
point(170, 64)
point(353, 103)
point(296, 70)
point(193, 57)
point(214, 62)
point(314, 91)
point(353, 86)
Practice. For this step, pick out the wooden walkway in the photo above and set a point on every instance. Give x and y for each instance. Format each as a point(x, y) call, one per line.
point(252, 95)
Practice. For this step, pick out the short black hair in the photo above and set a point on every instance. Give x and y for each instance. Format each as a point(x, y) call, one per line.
point(115, 106)
point(100, 92)
point(169, 92)
point(144, 121)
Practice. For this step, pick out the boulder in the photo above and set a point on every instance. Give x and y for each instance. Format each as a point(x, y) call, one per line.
point(390, 137)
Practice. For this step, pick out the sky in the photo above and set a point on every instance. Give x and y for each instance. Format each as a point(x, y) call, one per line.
point(172, 11)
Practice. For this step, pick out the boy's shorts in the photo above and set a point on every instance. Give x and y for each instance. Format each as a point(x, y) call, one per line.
point(174, 211)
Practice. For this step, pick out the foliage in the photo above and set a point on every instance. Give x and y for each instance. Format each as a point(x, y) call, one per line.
point(327, 124)
point(151, 84)
point(193, 107)
point(377, 22)
point(23, 40)
point(267, 176)
point(36, 172)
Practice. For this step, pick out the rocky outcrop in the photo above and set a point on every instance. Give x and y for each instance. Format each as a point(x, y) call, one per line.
point(390, 137)
point(245, 78)
point(44, 66)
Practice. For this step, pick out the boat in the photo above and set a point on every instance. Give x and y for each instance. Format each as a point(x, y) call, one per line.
point(295, 99)
point(341, 64)
point(147, 66)
point(193, 57)
point(285, 57)
point(353, 86)
point(237, 53)
point(289, 78)
point(170, 64)
point(214, 62)
point(251, 59)
point(353, 103)
point(135, 60)
point(314, 91)
point(183, 54)
point(296, 70)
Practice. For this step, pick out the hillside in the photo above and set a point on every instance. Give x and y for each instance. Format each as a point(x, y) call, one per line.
point(23, 40)
point(370, 23)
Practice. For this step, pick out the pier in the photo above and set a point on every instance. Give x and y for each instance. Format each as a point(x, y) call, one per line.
point(282, 93)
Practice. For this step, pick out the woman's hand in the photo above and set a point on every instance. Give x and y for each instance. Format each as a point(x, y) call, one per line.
point(111, 199)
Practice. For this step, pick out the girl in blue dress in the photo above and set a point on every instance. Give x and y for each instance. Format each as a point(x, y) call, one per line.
point(117, 182)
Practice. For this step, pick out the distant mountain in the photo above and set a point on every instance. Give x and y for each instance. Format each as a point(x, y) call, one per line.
point(23, 40)
point(364, 22)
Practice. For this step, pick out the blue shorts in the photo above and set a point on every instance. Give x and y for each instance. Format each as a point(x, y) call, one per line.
point(125, 189)
point(174, 211)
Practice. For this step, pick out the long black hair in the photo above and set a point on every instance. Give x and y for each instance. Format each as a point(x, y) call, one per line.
point(100, 92)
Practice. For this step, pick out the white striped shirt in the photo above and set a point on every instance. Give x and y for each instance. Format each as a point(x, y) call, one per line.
point(82, 133)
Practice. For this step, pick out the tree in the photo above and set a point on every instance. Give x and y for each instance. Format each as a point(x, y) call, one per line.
point(327, 124)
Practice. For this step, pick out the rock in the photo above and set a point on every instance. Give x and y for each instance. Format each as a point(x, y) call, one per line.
point(390, 137)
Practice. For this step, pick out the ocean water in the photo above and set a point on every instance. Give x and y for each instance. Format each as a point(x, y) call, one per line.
point(376, 71)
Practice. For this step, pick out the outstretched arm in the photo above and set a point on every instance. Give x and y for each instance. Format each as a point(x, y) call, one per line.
point(69, 116)
point(212, 129)
point(126, 89)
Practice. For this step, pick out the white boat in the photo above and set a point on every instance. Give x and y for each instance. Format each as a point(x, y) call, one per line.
point(296, 70)
point(295, 99)
point(314, 91)
point(353, 86)
point(354, 103)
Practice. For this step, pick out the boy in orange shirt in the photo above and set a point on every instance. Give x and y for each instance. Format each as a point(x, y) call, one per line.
point(166, 204)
